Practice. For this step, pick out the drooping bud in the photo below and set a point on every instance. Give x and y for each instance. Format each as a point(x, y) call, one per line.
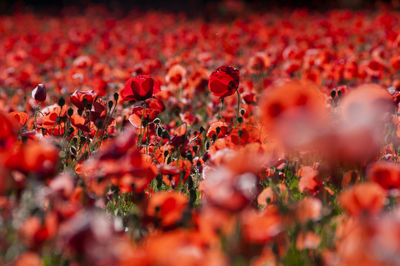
point(39, 93)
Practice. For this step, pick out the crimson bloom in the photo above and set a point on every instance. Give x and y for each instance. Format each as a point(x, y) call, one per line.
point(224, 81)
point(77, 98)
point(139, 88)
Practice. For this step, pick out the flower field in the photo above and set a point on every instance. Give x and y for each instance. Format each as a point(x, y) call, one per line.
point(163, 139)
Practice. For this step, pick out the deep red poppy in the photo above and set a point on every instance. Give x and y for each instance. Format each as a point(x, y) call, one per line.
point(224, 81)
point(139, 88)
point(77, 98)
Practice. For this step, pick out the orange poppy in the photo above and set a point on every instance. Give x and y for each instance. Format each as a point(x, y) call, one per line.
point(167, 206)
point(363, 198)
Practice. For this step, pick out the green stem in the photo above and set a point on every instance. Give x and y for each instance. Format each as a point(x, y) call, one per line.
point(238, 107)
point(36, 111)
point(221, 108)
point(141, 134)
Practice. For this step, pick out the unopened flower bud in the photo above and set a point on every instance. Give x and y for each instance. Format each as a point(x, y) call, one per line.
point(39, 93)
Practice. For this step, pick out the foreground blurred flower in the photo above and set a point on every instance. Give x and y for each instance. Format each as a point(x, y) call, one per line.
point(224, 81)
point(386, 174)
point(178, 247)
point(168, 206)
point(28, 259)
point(139, 88)
point(360, 129)
point(295, 112)
point(261, 226)
point(33, 157)
point(227, 190)
point(365, 198)
point(34, 231)
point(91, 235)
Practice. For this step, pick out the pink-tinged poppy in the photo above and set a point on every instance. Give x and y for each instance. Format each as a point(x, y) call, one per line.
point(308, 240)
point(227, 190)
point(309, 181)
point(261, 226)
point(176, 76)
point(224, 81)
point(139, 88)
point(308, 208)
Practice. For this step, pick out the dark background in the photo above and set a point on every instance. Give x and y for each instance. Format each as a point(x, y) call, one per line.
point(195, 7)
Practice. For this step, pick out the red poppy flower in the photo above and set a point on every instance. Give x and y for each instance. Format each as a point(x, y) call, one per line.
point(139, 88)
point(80, 122)
point(77, 98)
point(20, 117)
point(224, 81)
point(218, 129)
point(33, 157)
point(386, 174)
point(167, 206)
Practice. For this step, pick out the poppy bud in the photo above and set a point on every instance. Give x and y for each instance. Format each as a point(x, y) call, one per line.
point(333, 94)
point(159, 131)
point(169, 160)
point(61, 102)
point(116, 96)
point(70, 112)
point(195, 149)
point(110, 104)
point(39, 93)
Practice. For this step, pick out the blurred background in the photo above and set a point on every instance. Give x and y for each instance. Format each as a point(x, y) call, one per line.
point(193, 7)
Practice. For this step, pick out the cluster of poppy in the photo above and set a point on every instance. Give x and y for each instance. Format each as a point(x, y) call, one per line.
point(156, 139)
